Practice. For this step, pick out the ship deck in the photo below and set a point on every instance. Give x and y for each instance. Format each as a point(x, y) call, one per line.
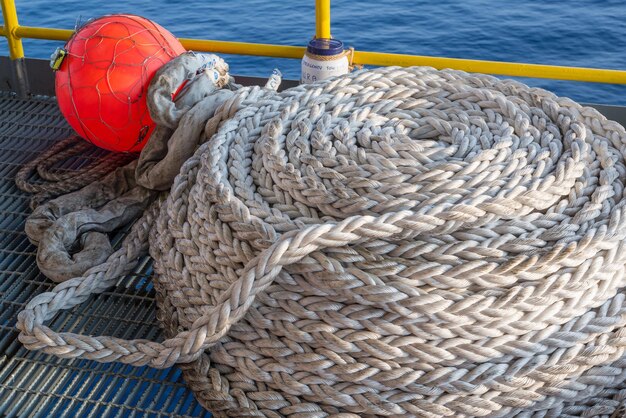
point(34, 384)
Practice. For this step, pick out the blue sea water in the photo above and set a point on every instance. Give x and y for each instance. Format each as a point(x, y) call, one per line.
point(587, 33)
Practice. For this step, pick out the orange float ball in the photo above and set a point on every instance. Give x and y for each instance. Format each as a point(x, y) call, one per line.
point(102, 83)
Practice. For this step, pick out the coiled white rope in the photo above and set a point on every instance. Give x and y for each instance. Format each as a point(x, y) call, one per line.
point(396, 242)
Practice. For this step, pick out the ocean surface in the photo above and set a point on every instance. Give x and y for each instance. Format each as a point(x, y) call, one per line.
point(586, 33)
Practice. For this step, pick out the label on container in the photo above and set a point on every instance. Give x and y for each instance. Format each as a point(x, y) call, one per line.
point(274, 81)
point(315, 70)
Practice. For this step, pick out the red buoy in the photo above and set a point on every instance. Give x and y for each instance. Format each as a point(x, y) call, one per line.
point(102, 82)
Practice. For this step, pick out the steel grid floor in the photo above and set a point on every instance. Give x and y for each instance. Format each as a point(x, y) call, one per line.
point(37, 385)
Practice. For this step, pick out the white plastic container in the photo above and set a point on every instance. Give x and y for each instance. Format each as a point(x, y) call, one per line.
point(324, 58)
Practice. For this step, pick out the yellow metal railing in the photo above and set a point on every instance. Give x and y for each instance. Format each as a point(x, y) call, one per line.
point(10, 27)
point(14, 33)
point(322, 19)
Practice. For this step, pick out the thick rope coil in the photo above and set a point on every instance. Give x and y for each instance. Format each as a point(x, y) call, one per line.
point(396, 242)
point(52, 182)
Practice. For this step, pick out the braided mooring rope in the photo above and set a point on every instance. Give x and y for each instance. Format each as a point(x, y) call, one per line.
point(396, 242)
point(53, 182)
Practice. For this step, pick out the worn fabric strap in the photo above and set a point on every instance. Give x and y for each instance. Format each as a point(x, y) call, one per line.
point(71, 231)
point(396, 242)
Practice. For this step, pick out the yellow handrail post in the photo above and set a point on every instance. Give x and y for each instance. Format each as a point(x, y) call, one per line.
point(16, 50)
point(322, 19)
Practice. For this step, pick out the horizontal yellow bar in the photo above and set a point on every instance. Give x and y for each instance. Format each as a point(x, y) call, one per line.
point(594, 75)
point(43, 33)
point(221, 47)
point(244, 48)
point(373, 58)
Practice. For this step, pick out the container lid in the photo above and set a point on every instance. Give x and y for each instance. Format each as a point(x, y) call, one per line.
point(325, 46)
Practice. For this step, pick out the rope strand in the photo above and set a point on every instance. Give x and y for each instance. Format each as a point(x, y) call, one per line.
point(57, 182)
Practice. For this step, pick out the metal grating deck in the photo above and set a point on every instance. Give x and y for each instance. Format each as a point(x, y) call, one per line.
point(37, 385)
